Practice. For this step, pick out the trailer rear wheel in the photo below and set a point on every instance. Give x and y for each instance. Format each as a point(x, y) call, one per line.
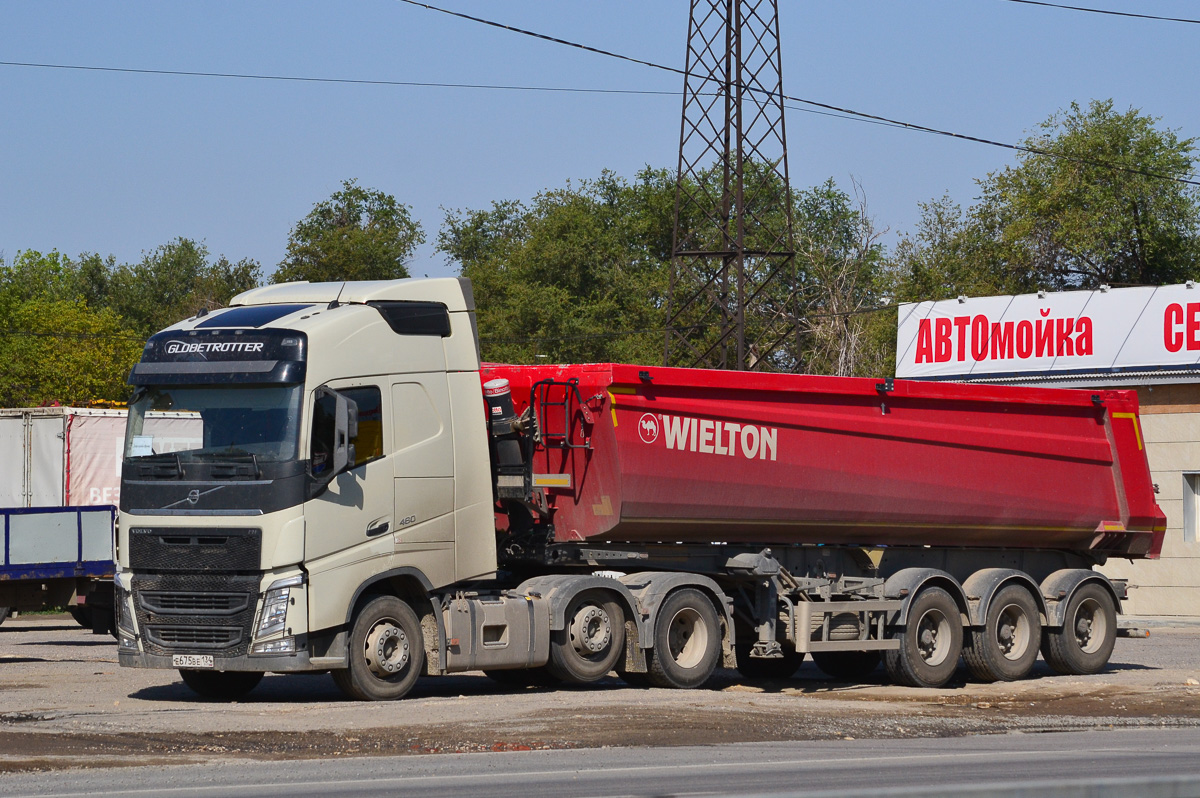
point(593, 640)
point(846, 666)
point(1007, 647)
point(1088, 633)
point(221, 685)
point(387, 652)
point(3, 614)
point(776, 668)
point(687, 640)
point(931, 642)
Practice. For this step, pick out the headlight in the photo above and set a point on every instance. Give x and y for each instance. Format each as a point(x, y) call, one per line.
point(275, 605)
point(124, 618)
point(284, 645)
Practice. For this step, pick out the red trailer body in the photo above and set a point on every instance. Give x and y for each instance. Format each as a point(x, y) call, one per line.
point(637, 454)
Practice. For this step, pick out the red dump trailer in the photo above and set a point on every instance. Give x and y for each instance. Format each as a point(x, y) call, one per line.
point(993, 503)
point(700, 456)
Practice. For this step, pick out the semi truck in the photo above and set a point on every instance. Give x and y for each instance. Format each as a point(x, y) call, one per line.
point(361, 495)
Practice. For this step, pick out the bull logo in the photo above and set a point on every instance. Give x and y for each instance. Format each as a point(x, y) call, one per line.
point(648, 427)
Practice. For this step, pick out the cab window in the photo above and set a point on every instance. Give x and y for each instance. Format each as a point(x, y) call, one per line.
point(368, 444)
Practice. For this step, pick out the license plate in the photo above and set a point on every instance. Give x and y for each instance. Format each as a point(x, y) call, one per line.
point(191, 661)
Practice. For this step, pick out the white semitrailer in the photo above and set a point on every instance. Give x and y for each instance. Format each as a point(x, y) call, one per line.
point(329, 492)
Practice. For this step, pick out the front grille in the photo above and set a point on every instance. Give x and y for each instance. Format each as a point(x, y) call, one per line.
point(180, 613)
point(204, 637)
point(192, 550)
point(193, 603)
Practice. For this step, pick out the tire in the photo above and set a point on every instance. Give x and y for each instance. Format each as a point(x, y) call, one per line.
point(847, 666)
point(387, 652)
point(1006, 648)
point(82, 615)
point(593, 640)
point(931, 642)
point(4, 614)
point(1089, 631)
point(221, 685)
point(523, 677)
point(784, 667)
point(687, 641)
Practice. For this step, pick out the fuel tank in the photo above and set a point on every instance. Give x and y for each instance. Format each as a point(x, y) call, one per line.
point(644, 454)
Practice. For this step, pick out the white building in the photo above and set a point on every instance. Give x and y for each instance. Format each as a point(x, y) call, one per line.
point(1143, 339)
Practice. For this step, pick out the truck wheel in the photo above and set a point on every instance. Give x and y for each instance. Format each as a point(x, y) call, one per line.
point(82, 615)
point(1006, 648)
point(778, 668)
point(687, 641)
point(930, 643)
point(1088, 633)
point(221, 685)
point(847, 666)
point(387, 652)
point(523, 677)
point(593, 640)
point(3, 614)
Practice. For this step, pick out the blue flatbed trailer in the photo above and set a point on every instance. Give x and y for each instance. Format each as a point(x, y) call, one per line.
point(59, 556)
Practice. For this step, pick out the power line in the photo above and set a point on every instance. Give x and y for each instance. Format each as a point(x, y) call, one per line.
point(401, 83)
point(813, 103)
point(818, 108)
point(1105, 11)
point(352, 81)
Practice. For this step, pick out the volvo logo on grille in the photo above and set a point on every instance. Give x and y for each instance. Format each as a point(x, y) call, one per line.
point(193, 496)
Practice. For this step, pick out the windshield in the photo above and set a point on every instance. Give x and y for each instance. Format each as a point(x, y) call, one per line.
point(188, 424)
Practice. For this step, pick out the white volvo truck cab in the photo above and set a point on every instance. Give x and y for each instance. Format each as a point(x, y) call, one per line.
point(333, 439)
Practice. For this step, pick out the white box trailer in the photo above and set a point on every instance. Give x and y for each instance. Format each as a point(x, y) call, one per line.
point(59, 486)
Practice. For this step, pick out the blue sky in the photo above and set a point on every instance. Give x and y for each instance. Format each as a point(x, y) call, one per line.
point(120, 163)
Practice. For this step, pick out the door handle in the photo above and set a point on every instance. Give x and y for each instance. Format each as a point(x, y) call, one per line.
point(379, 529)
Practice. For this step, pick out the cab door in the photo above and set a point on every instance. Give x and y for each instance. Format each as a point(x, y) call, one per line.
point(356, 510)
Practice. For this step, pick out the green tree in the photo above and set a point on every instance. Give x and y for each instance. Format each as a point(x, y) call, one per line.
point(1093, 203)
point(356, 234)
point(54, 350)
point(841, 264)
point(578, 274)
point(174, 281)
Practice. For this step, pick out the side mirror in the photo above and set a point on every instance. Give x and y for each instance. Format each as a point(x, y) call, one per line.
point(335, 425)
point(345, 429)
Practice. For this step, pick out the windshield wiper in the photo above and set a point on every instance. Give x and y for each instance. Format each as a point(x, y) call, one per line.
point(160, 466)
point(233, 464)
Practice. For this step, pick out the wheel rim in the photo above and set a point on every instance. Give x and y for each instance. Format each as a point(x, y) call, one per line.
point(933, 637)
point(387, 649)
point(1014, 632)
point(687, 638)
point(1091, 626)
point(591, 631)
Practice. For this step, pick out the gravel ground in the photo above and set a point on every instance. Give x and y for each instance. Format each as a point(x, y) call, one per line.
point(64, 702)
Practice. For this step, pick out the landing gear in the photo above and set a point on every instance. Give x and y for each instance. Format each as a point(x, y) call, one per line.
point(777, 668)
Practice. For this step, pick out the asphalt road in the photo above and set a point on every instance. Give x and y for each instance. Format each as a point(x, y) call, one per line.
point(1142, 762)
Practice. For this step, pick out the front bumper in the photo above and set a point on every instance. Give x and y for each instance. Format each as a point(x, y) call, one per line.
point(281, 663)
